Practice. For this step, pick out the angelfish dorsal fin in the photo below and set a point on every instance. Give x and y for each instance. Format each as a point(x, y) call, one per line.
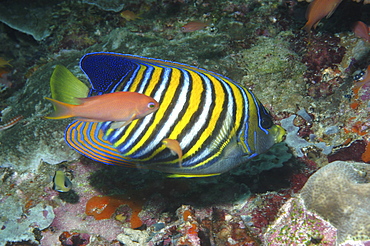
point(106, 70)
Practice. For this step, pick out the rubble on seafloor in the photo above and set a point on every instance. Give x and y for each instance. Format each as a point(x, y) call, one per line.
point(305, 80)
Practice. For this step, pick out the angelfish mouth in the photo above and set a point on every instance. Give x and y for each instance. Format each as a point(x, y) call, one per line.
point(280, 134)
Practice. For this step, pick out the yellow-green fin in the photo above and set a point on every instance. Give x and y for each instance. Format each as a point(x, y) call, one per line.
point(65, 87)
point(192, 175)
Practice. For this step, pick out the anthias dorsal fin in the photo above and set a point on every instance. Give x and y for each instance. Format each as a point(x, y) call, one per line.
point(65, 87)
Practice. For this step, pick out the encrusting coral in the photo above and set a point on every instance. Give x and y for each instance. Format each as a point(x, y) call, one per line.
point(339, 192)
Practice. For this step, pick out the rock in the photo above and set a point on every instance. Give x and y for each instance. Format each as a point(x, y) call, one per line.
point(340, 193)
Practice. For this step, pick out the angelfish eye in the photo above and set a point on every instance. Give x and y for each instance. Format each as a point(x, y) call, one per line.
point(266, 122)
point(151, 105)
point(265, 118)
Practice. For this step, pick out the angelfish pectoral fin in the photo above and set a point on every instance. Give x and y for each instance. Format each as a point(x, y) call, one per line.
point(175, 148)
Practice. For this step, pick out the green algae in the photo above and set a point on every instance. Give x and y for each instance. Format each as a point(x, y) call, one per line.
point(275, 157)
point(271, 55)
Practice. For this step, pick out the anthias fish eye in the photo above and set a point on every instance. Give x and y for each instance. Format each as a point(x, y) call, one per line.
point(151, 105)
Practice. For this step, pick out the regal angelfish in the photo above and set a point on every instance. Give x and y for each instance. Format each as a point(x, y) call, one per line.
point(206, 124)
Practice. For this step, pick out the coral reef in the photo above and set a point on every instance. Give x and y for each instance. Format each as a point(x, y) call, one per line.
point(103, 207)
point(319, 53)
point(131, 237)
point(115, 5)
point(353, 152)
point(33, 137)
point(304, 79)
point(74, 238)
point(199, 227)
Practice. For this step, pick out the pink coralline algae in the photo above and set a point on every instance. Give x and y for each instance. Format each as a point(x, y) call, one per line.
point(71, 217)
point(267, 211)
point(322, 51)
point(297, 226)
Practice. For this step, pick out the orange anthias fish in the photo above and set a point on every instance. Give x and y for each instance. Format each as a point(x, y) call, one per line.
point(361, 30)
point(121, 107)
point(194, 26)
point(175, 147)
point(317, 10)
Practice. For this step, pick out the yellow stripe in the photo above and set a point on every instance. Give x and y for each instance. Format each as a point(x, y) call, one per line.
point(215, 115)
point(112, 151)
point(165, 104)
point(239, 104)
point(139, 76)
point(194, 104)
point(253, 117)
point(191, 175)
point(155, 77)
point(93, 150)
point(153, 81)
